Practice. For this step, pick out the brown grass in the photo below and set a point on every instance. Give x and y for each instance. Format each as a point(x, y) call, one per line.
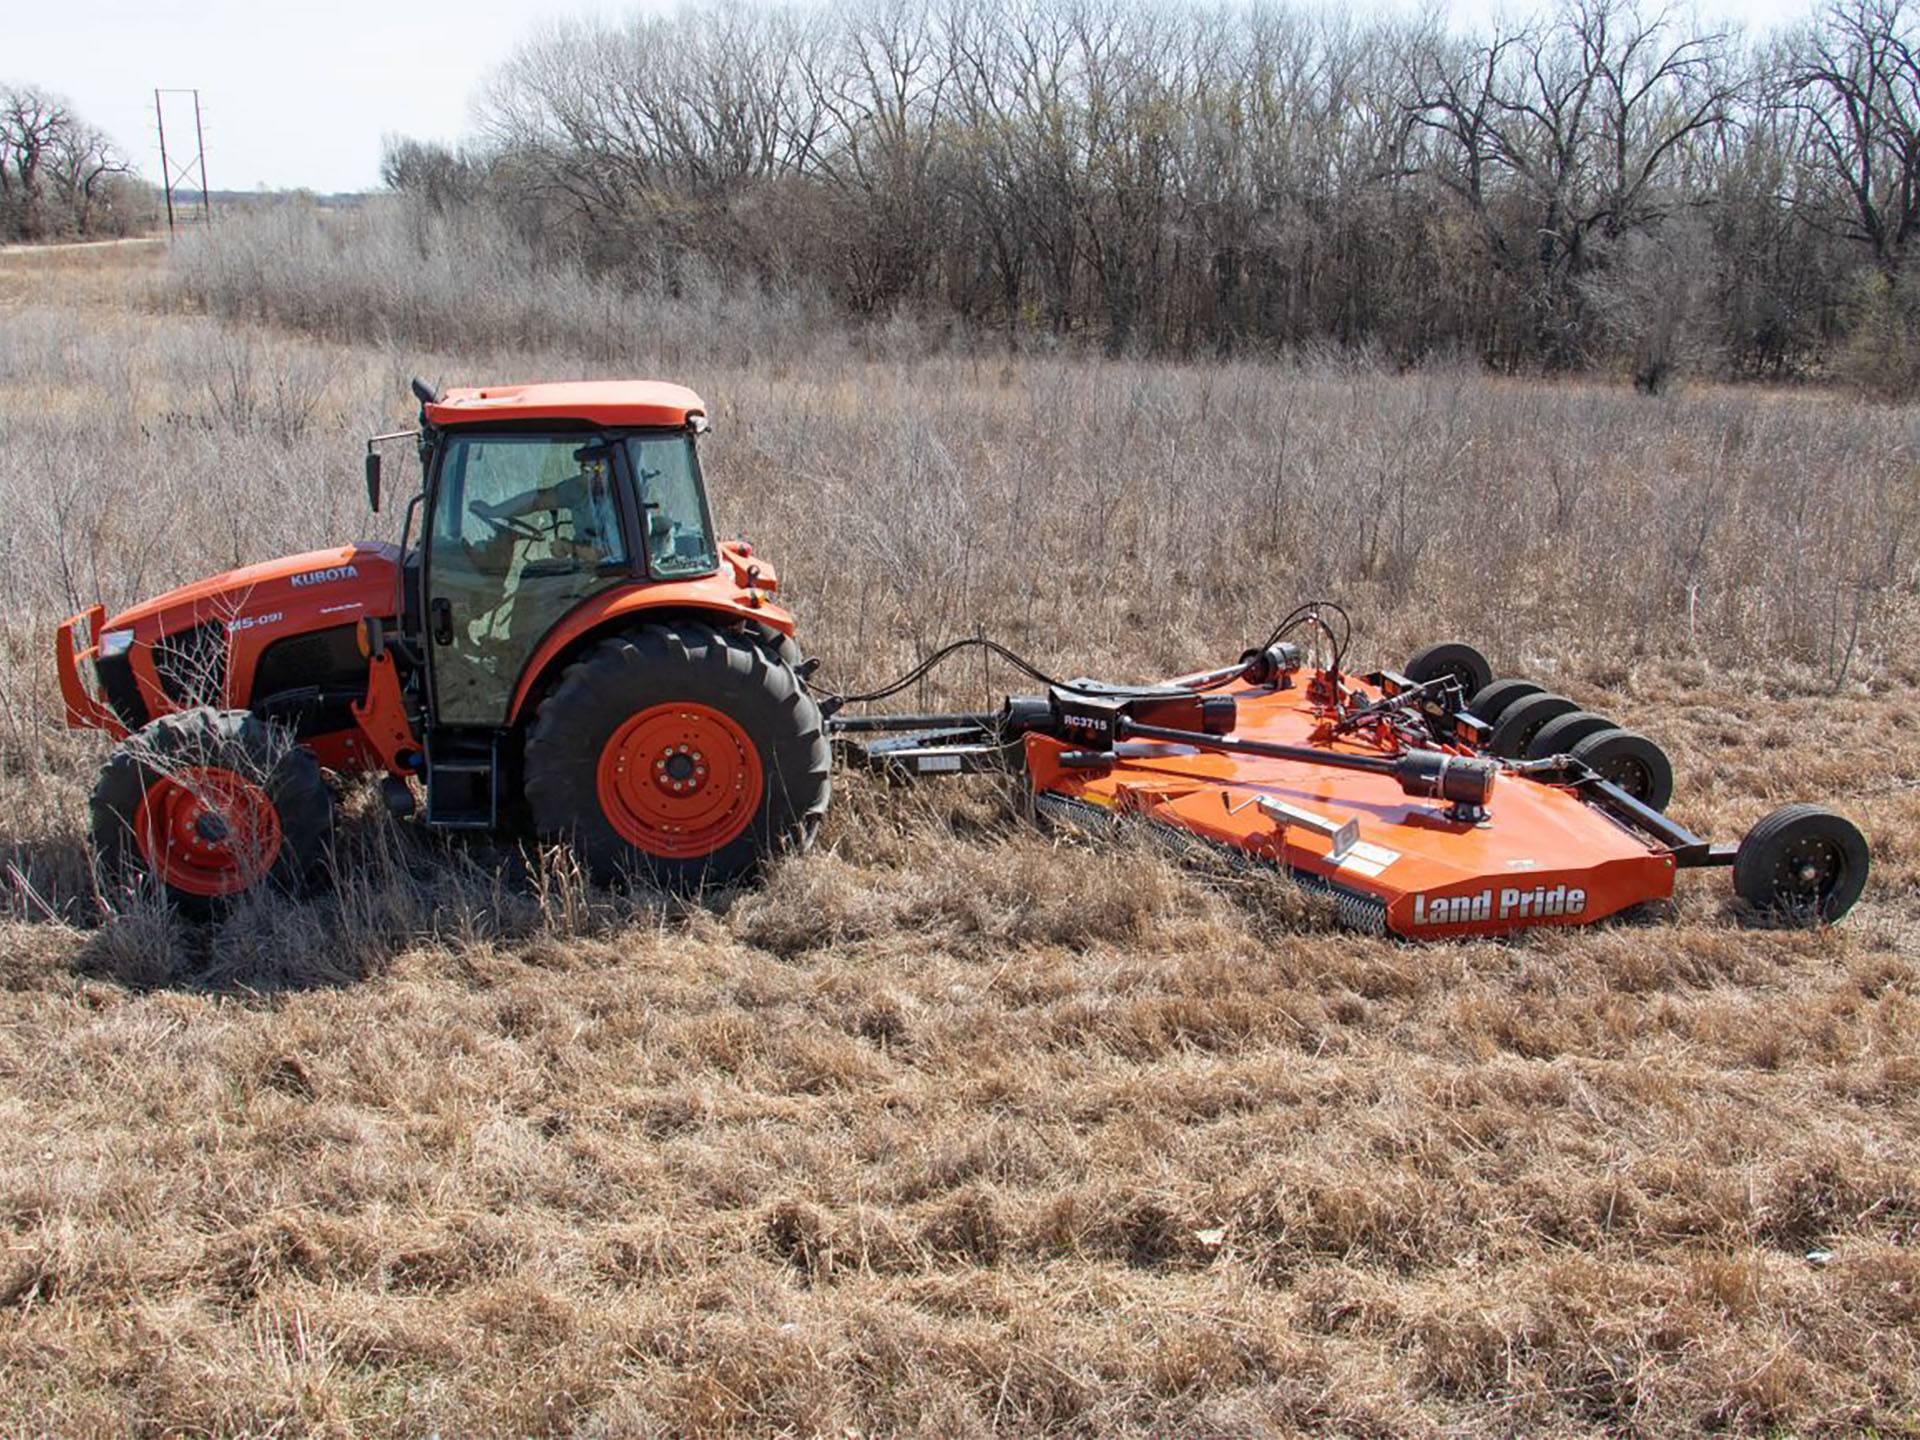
point(956, 1126)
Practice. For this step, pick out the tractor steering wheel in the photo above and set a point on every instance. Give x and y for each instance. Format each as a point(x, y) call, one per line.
point(506, 524)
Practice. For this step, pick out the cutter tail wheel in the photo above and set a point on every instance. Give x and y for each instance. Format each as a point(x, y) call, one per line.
point(1520, 721)
point(1490, 702)
point(1631, 761)
point(1460, 662)
point(1802, 861)
point(1563, 732)
point(208, 805)
point(683, 752)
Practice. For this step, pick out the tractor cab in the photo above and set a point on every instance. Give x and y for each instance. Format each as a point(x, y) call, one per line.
point(523, 526)
point(537, 500)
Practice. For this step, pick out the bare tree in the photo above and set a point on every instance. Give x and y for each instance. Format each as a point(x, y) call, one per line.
point(31, 125)
point(1169, 177)
point(885, 89)
point(1855, 80)
point(81, 164)
point(437, 176)
point(1560, 139)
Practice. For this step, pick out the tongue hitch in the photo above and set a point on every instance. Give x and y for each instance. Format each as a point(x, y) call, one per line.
point(1090, 715)
point(1095, 718)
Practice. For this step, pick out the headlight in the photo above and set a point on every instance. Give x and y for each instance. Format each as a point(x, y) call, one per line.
point(115, 643)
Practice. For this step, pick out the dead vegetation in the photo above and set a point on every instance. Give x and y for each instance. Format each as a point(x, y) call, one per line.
point(958, 1126)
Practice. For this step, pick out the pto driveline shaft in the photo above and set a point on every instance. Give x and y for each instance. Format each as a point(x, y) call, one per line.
point(1429, 774)
point(1374, 764)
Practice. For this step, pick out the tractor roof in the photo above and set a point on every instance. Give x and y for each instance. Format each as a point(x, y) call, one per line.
point(601, 402)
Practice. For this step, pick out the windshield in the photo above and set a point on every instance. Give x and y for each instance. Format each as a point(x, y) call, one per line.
point(673, 505)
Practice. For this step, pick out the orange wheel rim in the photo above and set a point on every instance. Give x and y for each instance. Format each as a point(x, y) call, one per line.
point(207, 831)
point(680, 780)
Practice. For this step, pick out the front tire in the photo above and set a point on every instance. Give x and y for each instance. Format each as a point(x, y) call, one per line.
point(682, 752)
point(209, 805)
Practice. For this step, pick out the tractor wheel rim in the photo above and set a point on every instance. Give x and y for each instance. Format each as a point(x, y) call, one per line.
point(207, 831)
point(680, 780)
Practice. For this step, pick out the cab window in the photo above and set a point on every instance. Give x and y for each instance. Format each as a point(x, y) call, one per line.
point(673, 506)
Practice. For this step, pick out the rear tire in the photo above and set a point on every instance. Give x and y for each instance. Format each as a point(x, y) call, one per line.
point(782, 644)
point(1631, 761)
point(208, 805)
point(1490, 702)
point(682, 752)
point(1513, 732)
point(1560, 734)
point(1802, 859)
point(1461, 662)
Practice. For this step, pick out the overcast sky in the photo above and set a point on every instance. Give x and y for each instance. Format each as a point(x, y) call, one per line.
point(298, 93)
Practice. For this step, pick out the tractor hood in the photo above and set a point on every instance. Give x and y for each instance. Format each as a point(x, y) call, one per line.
point(321, 588)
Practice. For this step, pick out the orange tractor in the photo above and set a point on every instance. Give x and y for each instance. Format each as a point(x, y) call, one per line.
point(564, 649)
point(559, 644)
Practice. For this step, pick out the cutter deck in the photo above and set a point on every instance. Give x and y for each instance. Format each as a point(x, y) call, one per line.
point(1434, 803)
point(1541, 855)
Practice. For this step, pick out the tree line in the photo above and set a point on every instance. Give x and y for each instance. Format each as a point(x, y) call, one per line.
point(1604, 184)
point(60, 177)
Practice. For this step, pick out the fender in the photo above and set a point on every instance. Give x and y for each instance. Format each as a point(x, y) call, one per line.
point(717, 595)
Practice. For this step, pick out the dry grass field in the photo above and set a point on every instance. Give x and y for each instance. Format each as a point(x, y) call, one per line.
point(960, 1126)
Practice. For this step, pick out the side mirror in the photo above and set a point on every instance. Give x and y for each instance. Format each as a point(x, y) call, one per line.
point(373, 480)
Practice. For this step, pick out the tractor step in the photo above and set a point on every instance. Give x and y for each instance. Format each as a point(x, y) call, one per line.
point(463, 781)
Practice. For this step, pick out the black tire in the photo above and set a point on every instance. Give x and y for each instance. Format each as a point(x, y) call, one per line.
point(784, 646)
point(1631, 761)
point(162, 770)
point(1462, 662)
point(1802, 860)
point(1490, 702)
point(1513, 732)
point(1560, 734)
point(612, 685)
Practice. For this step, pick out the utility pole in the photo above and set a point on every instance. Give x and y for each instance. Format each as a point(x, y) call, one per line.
point(169, 177)
point(200, 144)
point(166, 174)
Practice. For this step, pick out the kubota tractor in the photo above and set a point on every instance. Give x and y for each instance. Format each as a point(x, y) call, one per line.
point(558, 643)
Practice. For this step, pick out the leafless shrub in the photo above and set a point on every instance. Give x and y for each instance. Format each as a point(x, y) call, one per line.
point(468, 280)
